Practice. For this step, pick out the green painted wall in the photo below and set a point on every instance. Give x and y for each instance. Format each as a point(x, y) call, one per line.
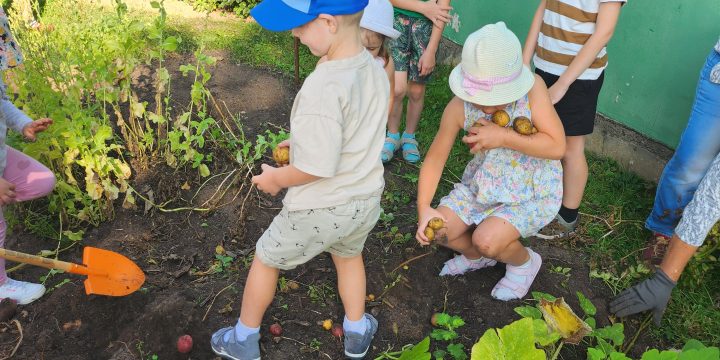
point(656, 54)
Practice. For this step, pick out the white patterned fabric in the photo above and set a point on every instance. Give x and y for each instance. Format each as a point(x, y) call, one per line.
point(703, 211)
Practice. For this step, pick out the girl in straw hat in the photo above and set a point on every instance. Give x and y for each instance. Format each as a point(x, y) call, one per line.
point(513, 185)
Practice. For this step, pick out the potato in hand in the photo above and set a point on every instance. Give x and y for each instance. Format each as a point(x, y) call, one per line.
point(522, 125)
point(281, 155)
point(501, 118)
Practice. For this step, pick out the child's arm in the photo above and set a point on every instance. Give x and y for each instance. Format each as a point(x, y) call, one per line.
point(547, 143)
point(426, 63)
point(14, 117)
point(273, 179)
point(432, 168)
point(533, 33)
point(604, 28)
point(437, 12)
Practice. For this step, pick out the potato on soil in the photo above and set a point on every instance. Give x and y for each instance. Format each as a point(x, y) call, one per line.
point(281, 155)
point(433, 319)
point(429, 233)
point(276, 329)
point(185, 344)
point(501, 118)
point(436, 223)
point(327, 324)
point(522, 125)
point(337, 331)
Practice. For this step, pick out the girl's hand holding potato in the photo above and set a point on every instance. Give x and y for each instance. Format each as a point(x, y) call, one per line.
point(485, 137)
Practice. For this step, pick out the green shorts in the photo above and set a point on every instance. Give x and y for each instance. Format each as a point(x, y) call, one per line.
point(295, 237)
point(410, 45)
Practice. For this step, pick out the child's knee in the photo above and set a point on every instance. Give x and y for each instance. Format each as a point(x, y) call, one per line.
point(46, 184)
point(486, 245)
point(400, 91)
point(416, 92)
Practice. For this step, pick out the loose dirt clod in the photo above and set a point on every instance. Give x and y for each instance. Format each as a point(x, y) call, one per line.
point(8, 308)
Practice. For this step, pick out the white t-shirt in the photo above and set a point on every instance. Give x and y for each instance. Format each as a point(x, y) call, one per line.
point(337, 130)
point(566, 27)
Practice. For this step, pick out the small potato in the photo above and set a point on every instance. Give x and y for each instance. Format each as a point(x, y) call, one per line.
point(501, 118)
point(429, 233)
point(436, 223)
point(523, 125)
point(281, 155)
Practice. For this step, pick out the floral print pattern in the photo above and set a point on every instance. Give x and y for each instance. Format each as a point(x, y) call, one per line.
point(524, 190)
point(703, 211)
point(10, 55)
point(410, 45)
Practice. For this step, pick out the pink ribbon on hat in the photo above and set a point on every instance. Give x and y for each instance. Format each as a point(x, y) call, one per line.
point(472, 84)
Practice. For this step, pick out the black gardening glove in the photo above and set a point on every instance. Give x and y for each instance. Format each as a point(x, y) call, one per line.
point(651, 294)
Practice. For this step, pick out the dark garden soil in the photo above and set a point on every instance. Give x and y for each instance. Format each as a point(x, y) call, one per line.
point(175, 249)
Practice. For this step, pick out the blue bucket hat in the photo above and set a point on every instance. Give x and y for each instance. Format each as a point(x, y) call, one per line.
point(283, 15)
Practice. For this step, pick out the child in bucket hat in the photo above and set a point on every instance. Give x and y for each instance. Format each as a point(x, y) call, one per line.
point(335, 177)
point(376, 28)
point(513, 185)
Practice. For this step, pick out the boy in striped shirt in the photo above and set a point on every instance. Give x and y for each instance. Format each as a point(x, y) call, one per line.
point(566, 42)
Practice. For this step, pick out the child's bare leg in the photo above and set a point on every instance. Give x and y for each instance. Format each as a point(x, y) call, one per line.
point(458, 236)
point(497, 239)
point(258, 293)
point(399, 93)
point(351, 285)
point(416, 101)
point(575, 172)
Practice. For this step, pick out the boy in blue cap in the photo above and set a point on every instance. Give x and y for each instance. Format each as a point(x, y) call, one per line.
point(335, 176)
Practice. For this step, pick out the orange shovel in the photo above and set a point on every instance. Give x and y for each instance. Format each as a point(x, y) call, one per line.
point(108, 273)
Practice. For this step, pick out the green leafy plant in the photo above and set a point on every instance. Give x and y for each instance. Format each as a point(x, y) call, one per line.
point(420, 351)
point(448, 324)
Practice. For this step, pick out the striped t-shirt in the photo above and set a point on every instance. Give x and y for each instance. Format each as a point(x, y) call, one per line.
point(567, 26)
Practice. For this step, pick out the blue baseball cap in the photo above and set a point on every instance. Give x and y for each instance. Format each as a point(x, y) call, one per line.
point(283, 15)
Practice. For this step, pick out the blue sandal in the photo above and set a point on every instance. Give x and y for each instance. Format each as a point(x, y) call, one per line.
point(392, 143)
point(410, 150)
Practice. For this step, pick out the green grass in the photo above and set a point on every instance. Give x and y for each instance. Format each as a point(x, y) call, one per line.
point(615, 206)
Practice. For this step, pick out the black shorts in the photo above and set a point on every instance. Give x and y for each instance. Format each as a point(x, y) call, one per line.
point(577, 108)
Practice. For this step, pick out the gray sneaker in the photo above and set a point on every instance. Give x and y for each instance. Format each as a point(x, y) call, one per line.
point(558, 228)
point(233, 349)
point(357, 345)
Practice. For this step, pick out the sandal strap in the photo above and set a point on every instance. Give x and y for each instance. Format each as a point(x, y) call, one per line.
point(411, 148)
point(521, 289)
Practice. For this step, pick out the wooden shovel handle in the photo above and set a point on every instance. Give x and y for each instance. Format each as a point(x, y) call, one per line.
point(43, 262)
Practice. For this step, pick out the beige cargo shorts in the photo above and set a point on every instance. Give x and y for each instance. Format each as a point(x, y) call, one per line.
point(295, 237)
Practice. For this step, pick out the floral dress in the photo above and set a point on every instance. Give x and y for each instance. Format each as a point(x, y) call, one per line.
point(10, 55)
point(524, 190)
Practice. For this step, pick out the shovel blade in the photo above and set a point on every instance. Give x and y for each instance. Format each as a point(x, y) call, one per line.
point(110, 273)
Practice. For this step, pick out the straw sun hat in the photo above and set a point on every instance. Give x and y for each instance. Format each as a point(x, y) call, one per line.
point(491, 71)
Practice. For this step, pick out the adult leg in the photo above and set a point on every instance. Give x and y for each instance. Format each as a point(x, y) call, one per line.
point(695, 152)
